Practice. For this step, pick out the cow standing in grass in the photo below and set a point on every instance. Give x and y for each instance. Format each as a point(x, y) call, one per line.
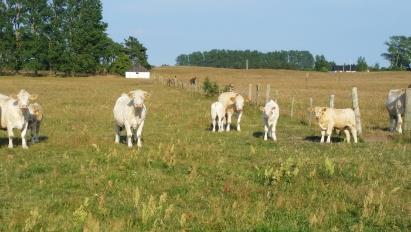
point(14, 114)
point(35, 117)
point(217, 116)
point(271, 112)
point(233, 103)
point(395, 105)
point(341, 119)
point(130, 113)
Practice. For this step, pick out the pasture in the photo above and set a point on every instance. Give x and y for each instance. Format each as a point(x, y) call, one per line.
point(188, 178)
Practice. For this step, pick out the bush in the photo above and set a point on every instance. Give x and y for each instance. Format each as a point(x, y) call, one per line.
point(210, 88)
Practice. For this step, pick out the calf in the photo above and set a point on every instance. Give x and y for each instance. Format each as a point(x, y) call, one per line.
point(35, 117)
point(217, 116)
point(233, 103)
point(341, 119)
point(271, 112)
point(395, 105)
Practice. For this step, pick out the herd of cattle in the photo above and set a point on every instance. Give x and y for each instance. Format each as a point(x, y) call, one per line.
point(16, 112)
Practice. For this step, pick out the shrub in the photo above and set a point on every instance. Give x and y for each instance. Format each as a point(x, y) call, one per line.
point(210, 88)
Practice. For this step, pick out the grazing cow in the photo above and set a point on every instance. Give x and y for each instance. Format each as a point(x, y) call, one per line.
point(15, 114)
point(129, 113)
point(35, 117)
point(233, 103)
point(271, 112)
point(396, 107)
point(193, 81)
point(341, 119)
point(217, 116)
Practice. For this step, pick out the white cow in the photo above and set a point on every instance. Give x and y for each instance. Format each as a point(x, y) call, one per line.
point(396, 107)
point(271, 112)
point(217, 116)
point(233, 103)
point(36, 114)
point(129, 113)
point(341, 119)
point(15, 114)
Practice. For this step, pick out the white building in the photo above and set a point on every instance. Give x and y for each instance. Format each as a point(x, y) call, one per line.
point(138, 71)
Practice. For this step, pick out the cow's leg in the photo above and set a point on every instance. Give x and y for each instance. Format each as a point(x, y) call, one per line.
point(265, 131)
point(221, 124)
point(214, 122)
point(273, 136)
point(329, 132)
point(393, 122)
point(37, 131)
point(138, 133)
point(23, 137)
point(229, 114)
point(33, 130)
point(322, 136)
point(354, 133)
point(399, 123)
point(117, 129)
point(10, 135)
point(239, 120)
point(347, 135)
point(129, 134)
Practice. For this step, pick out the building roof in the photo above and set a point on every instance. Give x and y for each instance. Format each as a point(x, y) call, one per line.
point(137, 68)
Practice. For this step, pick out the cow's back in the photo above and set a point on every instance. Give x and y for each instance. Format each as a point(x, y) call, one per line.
point(395, 101)
point(343, 118)
point(226, 99)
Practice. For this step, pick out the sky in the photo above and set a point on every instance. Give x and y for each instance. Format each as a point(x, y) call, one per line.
point(341, 30)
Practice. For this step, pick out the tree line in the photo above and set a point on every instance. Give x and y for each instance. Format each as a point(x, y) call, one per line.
point(300, 60)
point(62, 36)
point(398, 54)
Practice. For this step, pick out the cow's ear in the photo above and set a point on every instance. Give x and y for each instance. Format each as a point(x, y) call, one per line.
point(130, 94)
point(147, 95)
point(261, 108)
point(232, 98)
point(33, 97)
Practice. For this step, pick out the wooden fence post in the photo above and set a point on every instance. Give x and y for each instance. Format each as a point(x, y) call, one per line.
point(257, 93)
point(250, 86)
point(356, 108)
point(292, 108)
point(331, 101)
point(407, 112)
point(310, 112)
point(267, 93)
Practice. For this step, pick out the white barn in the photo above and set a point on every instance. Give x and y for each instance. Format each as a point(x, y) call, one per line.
point(138, 71)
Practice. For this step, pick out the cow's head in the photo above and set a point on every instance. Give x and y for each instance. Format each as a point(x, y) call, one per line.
point(239, 102)
point(138, 97)
point(37, 111)
point(23, 98)
point(319, 112)
point(269, 109)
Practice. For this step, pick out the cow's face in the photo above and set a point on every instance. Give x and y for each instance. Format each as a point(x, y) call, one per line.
point(239, 102)
point(269, 110)
point(319, 112)
point(24, 98)
point(138, 98)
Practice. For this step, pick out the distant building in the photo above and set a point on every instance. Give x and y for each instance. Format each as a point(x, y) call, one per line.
point(344, 68)
point(138, 71)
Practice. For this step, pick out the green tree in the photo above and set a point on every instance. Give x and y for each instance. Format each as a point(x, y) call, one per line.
point(398, 52)
point(321, 64)
point(362, 65)
point(121, 64)
point(136, 51)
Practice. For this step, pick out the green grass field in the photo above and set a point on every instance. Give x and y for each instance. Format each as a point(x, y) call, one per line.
point(186, 177)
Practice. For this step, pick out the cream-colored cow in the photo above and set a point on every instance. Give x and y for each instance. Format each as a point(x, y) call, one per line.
point(130, 113)
point(271, 112)
point(341, 119)
point(217, 116)
point(233, 103)
point(14, 114)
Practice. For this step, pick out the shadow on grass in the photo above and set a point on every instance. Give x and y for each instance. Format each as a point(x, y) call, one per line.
point(4, 141)
point(258, 134)
point(317, 139)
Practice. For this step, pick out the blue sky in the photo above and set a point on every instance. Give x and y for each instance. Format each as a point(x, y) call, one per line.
point(342, 30)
